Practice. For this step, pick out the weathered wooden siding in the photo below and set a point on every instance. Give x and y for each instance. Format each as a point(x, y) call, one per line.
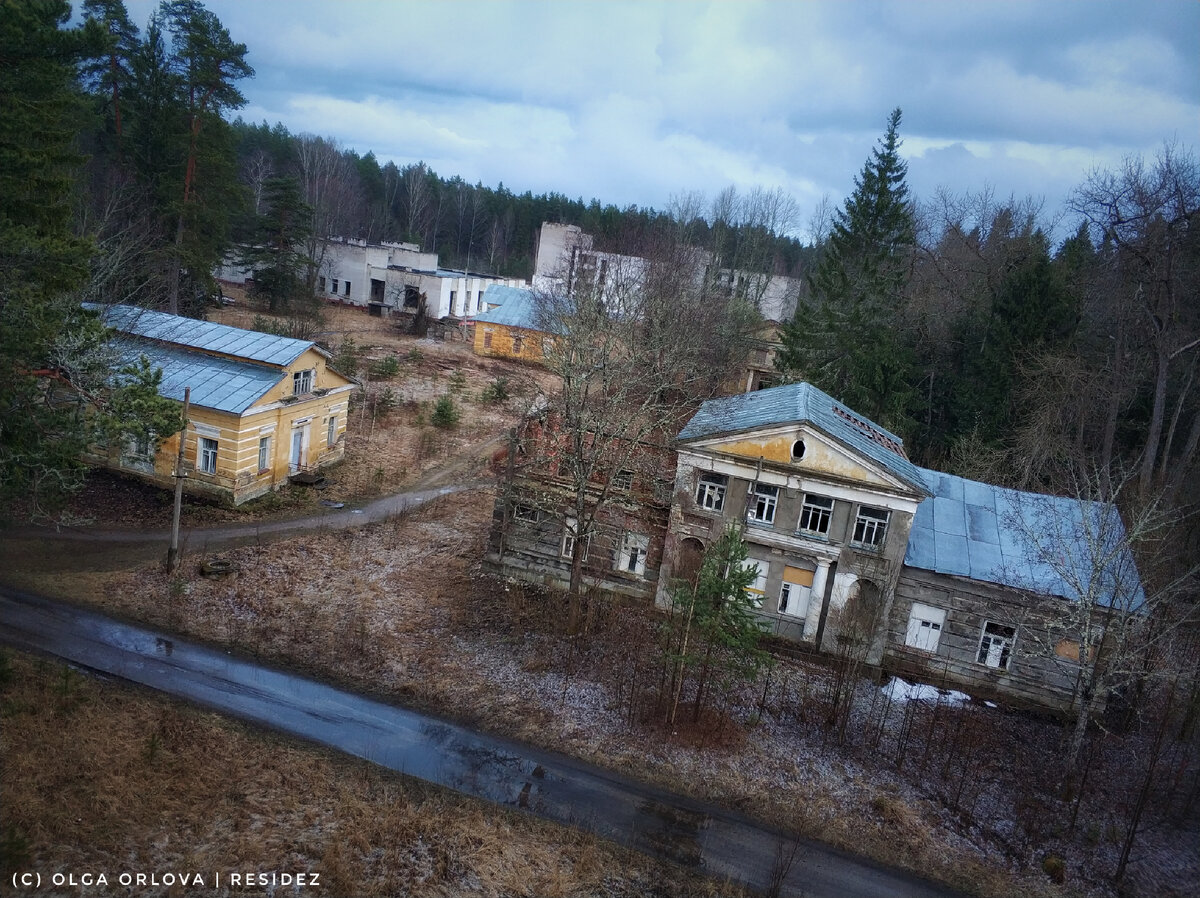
point(1035, 676)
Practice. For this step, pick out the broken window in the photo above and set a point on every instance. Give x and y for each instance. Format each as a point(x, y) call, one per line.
point(995, 646)
point(870, 527)
point(761, 507)
point(518, 344)
point(632, 558)
point(570, 535)
point(321, 283)
point(795, 592)
point(347, 288)
point(815, 514)
point(925, 627)
point(487, 338)
point(334, 285)
point(622, 481)
point(710, 494)
point(302, 382)
point(525, 513)
point(208, 456)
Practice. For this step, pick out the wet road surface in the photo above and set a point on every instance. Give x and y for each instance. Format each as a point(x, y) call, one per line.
point(719, 843)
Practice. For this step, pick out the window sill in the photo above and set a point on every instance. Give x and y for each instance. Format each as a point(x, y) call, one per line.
point(874, 550)
point(811, 534)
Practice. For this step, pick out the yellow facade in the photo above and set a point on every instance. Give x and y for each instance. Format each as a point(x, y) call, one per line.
point(819, 455)
point(235, 458)
point(508, 342)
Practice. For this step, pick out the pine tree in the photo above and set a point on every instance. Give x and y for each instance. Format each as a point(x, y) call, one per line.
point(847, 338)
point(277, 252)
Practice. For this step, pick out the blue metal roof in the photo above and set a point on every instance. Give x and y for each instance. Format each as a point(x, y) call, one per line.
point(206, 335)
point(800, 403)
point(1045, 544)
point(222, 384)
point(517, 307)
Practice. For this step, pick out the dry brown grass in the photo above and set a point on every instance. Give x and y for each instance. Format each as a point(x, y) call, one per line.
point(98, 777)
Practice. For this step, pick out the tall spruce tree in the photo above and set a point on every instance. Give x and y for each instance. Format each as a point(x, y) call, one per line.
point(847, 337)
point(277, 253)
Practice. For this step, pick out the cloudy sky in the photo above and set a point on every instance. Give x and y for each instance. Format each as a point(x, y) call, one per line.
point(637, 102)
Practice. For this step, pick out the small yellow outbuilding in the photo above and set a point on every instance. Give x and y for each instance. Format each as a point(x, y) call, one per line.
point(264, 409)
point(510, 328)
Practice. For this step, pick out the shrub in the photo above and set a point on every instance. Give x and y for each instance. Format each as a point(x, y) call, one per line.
point(458, 382)
point(1055, 867)
point(345, 359)
point(415, 355)
point(385, 368)
point(445, 413)
point(495, 392)
point(385, 401)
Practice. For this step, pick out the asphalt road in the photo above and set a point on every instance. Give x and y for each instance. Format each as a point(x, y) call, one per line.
point(721, 844)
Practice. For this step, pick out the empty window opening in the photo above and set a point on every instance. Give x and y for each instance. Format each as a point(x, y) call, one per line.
point(632, 558)
point(870, 527)
point(995, 645)
point(761, 507)
point(710, 492)
point(302, 382)
point(815, 514)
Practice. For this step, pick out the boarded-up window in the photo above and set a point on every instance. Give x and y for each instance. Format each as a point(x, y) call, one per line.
point(487, 339)
point(1068, 649)
point(757, 590)
point(925, 627)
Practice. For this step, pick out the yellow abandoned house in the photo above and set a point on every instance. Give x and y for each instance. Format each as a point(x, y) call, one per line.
point(264, 409)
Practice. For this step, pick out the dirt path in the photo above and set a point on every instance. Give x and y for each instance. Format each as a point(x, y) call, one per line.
point(39, 549)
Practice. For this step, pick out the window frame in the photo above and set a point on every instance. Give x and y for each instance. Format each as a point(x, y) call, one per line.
point(622, 480)
point(333, 286)
point(812, 504)
point(331, 431)
point(518, 344)
point(526, 514)
point(932, 619)
point(759, 501)
point(206, 455)
point(711, 489)
point(872, 520)
point(757, 592)
point(566, 546)
point(307, 376)
point(1005, 638)
point(632, 556)
point(264, 454)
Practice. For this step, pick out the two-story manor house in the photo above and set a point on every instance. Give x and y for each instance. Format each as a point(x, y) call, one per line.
point(933, 576)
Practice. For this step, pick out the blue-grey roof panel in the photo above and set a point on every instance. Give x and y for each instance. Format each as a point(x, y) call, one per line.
point(798, 403)
point(950, 554)
point(949, 516)
point(981, 524)
point(205, 335)
point(1041, 543)
point(221, 384)
point(985, 560)
point(517, 308)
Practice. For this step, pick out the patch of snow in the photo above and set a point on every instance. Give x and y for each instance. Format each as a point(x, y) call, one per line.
point(899, 690)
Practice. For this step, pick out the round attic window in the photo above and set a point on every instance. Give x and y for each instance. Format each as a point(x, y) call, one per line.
point(797, 450)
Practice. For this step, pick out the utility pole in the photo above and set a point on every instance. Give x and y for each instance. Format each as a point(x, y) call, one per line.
point(180, 475)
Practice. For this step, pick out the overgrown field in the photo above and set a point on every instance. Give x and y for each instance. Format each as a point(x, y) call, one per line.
point(99, 777)
point(964, 792)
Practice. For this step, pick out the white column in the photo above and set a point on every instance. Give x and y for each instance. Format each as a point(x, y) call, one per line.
point(816, 599)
